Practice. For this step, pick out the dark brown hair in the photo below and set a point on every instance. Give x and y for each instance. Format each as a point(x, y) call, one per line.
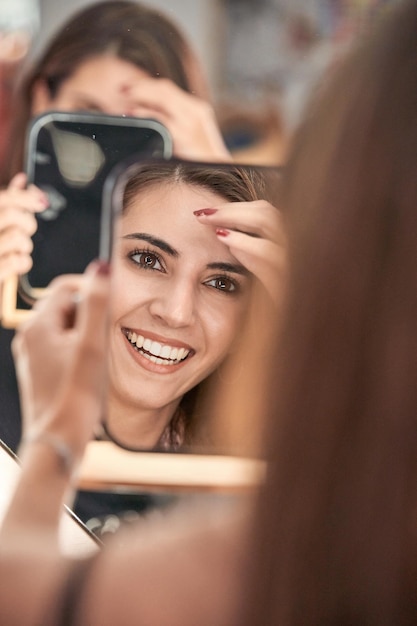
point(125, 29)
point(335, 532)
point(234, 183)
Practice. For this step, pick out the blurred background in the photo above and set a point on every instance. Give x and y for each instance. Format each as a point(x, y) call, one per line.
point(262, 57)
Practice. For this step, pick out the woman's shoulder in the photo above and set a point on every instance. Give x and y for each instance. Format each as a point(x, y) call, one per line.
point(171, 550)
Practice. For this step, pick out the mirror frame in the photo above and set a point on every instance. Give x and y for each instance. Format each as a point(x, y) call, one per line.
point(107, 467)
point(79, 123)
point(10, 315)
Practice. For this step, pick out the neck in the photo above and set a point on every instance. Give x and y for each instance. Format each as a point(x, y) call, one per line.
point(135, 426)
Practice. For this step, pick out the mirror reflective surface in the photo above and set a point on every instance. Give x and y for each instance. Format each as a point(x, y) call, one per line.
point(186, 251)
point(69, 156)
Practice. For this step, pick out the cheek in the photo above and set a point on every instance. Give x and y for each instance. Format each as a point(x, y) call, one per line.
point(63, 102)
point(127, 295)
point(222, 327)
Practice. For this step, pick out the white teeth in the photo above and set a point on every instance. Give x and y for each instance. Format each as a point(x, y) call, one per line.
point(166, 352)
point(157, 360)
point(156, 348)
point(158, 353)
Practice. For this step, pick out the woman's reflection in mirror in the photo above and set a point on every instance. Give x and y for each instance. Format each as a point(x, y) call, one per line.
point(188, 244)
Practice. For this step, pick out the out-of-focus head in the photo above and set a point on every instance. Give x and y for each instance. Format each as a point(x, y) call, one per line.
point(99, 50)
point(351, 183)
point(336, 527)
point(123, 29)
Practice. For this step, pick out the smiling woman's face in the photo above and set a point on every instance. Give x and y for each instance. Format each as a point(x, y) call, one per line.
point(179, 295)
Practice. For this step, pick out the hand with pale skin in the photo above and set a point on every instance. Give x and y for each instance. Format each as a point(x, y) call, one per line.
point(60, 362)
point(254, 233)
point(18, 205)
point(60, 358)
point(189, 119)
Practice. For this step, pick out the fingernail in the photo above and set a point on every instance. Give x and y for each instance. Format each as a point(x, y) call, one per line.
point(205, 212)
point(222, 232)
point(103, 268)
point(98, 266)
point(41, 199)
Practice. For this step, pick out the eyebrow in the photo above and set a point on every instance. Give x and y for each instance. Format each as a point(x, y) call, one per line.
point(235, 268)
point(159, 243)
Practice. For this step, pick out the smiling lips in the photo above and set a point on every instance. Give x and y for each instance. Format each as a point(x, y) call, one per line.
point(161, 354)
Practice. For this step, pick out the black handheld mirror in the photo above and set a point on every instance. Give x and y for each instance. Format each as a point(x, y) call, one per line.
point(69, 156)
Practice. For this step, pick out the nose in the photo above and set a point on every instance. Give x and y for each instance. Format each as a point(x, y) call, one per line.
point(175, 303)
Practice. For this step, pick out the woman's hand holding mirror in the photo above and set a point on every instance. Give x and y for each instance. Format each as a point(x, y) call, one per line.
point(17, 225)
point(60, 359)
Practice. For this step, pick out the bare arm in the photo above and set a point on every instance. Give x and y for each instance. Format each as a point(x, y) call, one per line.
point(60, 358)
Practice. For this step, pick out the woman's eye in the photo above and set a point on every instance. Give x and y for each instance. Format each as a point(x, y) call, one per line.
point(222, 283)
point(147, 260)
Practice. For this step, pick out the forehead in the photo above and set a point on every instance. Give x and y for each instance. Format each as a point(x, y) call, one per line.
point(166, 211)
point(110, 69)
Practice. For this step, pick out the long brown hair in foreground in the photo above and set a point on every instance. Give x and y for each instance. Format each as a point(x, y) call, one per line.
point(336, 531)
